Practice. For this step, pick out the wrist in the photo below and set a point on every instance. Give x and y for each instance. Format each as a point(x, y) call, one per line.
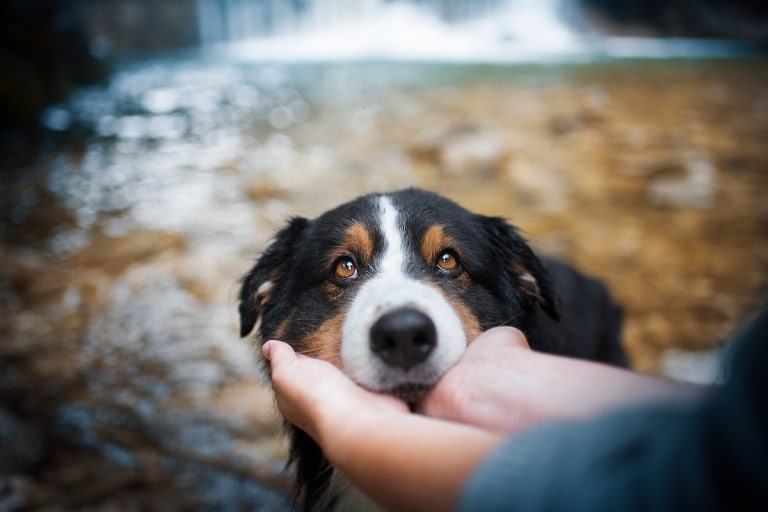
point(339, 435)
point(358, 411)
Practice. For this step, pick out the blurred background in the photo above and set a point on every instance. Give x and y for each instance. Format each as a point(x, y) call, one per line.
point(150, 149)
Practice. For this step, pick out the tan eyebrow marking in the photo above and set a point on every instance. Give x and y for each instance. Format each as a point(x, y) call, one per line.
point(435, 239)
point(356, 240)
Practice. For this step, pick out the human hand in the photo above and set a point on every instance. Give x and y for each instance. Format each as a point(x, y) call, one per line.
point(315, 396)
point(501, 385)
point(401, 460)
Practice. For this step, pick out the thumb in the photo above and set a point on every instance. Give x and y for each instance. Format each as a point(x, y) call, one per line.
point(499, 337)
point(277, 352)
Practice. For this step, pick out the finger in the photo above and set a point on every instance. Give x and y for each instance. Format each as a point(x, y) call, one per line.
point(501, 336)
point(274, 349)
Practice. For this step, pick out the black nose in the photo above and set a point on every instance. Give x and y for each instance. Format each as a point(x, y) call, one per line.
point(403, 338)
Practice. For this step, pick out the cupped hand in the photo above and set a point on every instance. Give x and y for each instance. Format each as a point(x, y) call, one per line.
point(314, 395)
point(501, 385)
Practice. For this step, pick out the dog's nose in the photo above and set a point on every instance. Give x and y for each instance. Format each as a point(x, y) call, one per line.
point(403, 338)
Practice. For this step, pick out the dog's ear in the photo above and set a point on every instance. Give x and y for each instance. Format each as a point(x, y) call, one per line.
point(267, 274)
point(525, 269)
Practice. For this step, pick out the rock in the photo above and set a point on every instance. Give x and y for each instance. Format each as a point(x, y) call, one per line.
point(21, 446)
point(114, 254)
point(650, 166)
point(701, 367)
point(696, 188)
point(575, 121)
point(20, 492)
point(541, 187)
point(464, 148)
point(739, 19)
point(45, 54)
point(142, 24)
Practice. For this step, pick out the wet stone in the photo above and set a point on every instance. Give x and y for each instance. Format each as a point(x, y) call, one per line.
point(21, 445)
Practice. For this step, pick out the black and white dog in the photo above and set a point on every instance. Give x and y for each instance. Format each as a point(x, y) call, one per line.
point(392, 287)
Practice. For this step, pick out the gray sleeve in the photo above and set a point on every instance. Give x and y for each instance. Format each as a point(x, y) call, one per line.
point(616, 463)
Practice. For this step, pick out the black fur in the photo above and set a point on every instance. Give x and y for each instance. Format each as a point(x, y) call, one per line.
point(560, 310)
point(274, 265)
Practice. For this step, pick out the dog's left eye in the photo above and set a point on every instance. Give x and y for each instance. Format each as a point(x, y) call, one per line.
point(345, 269)
point(447, 262)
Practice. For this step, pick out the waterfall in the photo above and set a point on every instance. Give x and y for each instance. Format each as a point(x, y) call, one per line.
point(423, 30)
point(238, 20)
point(402, 29)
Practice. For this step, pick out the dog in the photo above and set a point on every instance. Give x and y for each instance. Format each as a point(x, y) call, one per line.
point(391, 288)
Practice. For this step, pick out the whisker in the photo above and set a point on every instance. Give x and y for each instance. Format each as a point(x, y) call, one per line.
point(512, 320)
point(311, 352)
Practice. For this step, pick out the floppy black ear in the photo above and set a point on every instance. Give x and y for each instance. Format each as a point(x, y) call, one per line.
point(526, 272)
point(267, 274)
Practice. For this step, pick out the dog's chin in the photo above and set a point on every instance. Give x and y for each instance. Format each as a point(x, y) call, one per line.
point(411, 393)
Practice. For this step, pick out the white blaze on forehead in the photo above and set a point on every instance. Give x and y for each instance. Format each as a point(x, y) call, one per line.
point(393, 260)
point(389, 289)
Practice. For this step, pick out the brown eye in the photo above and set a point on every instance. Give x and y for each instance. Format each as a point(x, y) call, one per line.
point(447, 261)
point(345, 269)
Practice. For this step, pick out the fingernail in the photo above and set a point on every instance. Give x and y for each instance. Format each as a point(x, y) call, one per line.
point(265, 349)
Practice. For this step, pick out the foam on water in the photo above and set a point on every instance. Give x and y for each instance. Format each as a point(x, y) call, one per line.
point(505, 31)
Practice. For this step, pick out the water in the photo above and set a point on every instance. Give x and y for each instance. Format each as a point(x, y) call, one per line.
point(491, 31)
point(230, 21)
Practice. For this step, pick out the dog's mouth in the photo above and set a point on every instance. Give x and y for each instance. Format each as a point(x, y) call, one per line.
point(411, 393)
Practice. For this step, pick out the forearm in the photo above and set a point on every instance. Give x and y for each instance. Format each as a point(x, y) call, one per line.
point(581, 389)
point(406, 461)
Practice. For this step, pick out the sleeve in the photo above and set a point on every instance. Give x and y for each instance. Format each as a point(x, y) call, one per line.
point(712, 455)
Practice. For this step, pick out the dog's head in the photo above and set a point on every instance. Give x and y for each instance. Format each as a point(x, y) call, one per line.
point(391, 287)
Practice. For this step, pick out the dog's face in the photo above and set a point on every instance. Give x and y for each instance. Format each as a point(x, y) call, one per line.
point(391, 287)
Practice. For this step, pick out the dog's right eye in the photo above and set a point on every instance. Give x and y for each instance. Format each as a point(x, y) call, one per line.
point(345, 269)
point(447, 262)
